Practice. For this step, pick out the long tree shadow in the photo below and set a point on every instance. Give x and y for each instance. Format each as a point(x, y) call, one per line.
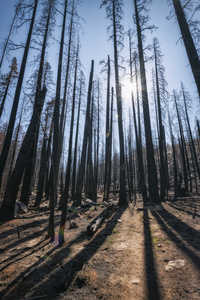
point(63, 275)
point(42, 266)
point(184, 208)
point(150, 268)
point(42, 224)
point(191, 235)
point(22, 227)
point(11, 260)
point(16, 242)
point(170, 224)
point(35, 223)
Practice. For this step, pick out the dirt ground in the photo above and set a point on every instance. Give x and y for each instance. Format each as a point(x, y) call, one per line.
point(150, 252)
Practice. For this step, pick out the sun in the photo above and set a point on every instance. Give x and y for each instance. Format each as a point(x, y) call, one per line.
point(127, 89)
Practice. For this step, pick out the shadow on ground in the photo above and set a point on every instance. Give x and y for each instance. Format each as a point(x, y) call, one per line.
point(49, 275)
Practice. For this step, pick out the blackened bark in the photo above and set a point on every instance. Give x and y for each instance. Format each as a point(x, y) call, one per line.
point(107, 132)
point(7, 142)
point(64, 195)
point(152, 172)
point(7, 209)
point(81, 171)
point(122, 193)
point(140, 156)
point(188, 42)
point(160, 133)
point(41, 177)
point(55, 156)
point(174, 160)
point(76, 145)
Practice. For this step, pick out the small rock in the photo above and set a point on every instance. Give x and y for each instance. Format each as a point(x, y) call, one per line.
point(178, 264)
point(120, 221)
point(136, 281)
point(159, 245)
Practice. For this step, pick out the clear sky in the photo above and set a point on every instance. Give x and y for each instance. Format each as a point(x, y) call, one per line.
point(95, 44)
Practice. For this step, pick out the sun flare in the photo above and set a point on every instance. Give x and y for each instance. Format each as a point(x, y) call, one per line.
point(127, 89)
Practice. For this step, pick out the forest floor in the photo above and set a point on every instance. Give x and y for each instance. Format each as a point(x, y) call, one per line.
point(140, 252)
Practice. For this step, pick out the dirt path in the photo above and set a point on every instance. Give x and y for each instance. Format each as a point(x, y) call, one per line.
point(138, 253)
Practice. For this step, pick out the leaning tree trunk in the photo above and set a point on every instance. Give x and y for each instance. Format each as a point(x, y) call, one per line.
point(188, 42)
point(7, 142)
point(8, 206)
point(30, 167)
point(15, 142)
point(4, 96)
point(190, 134)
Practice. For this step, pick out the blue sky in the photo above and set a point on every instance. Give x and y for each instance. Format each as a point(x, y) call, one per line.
point(95, 44)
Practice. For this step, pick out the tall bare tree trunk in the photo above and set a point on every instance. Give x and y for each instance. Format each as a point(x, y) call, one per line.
point(55, 157)
point(81, 171)
point(76, 144)
point(64, 195)
point(188, 42)
point(7, 142)
point(122, 193)
point(152, 173)
point(7, 209)
point(107, 131)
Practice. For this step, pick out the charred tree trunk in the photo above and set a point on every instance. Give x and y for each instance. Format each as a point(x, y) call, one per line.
point(188, 42)
point(140, 156)
point(7, 142)
point(152, 173)
point(122, 193)
point(76, 145)
point(64, 195)
point(7, 209)
point(160, 133)
point(174, 161)
point(55, 158)
point(81, 171)
point(107, 133)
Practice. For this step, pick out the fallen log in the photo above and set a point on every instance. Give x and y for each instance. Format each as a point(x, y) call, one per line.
point(96, 223)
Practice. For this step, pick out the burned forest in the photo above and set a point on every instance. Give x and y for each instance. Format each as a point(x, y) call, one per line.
point(99, 149)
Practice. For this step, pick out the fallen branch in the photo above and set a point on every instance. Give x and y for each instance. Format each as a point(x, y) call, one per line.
point(96, 223)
